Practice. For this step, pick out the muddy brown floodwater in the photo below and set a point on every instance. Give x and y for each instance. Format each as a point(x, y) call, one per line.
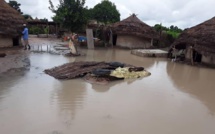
point(175, 99)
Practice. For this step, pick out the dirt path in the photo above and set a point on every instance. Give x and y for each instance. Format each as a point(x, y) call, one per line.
point(15, 58)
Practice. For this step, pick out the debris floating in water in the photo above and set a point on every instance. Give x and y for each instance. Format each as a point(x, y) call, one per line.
point(128, 74)
point(97, 72)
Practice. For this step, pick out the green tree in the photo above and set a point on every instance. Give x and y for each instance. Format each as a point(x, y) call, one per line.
point(106, 12)
point(172, 27)
point(14, 4)
point(175, 29)
point(70, 14)
point(26, 16)
point(44, 20)
point(167, 34)
point(88, 13)
point(159, 27)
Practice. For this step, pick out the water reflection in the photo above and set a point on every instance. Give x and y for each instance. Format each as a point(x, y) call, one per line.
point(38, 103)
point(115, 54)
point(98, 55)
point(8, 80)
point(44, 61)
point(195, 81)
point(69, 97)
point(105, 88)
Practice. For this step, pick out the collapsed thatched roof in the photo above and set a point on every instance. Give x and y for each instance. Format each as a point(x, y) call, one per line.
point(10, 20)
point(202, 37)
point(79, 69)
point(76, 69)
point(134, 26)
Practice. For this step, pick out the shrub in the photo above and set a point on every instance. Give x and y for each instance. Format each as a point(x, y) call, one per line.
point(35, 30)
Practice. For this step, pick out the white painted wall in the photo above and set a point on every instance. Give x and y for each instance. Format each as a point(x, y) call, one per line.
point(129, 41)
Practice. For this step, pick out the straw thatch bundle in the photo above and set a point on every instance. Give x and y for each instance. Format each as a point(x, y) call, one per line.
point(10, 20)
point(201, 37)
point(74, 70)
point(134, 26)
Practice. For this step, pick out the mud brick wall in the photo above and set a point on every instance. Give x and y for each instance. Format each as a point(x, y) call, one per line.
point(5, 41)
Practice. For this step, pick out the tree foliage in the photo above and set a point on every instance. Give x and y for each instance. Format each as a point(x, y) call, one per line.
point(159, 27)
point(105, 12)
point(174, 31)
point(26, 16)
point(167, 34)
point(88, 13)
point(70, 14)
point(14, 4)
point(44, 20)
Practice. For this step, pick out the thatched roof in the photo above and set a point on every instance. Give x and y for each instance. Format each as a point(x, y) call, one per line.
point(74, 70)
point(202, 37)
point(134, 26)
point(11, 21)
point(79, 69)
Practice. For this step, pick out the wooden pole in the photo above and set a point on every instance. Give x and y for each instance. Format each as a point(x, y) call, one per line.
point(191, 54)
point(152, 40)
point(111, 38)
point(90, 41)
point(174, 54)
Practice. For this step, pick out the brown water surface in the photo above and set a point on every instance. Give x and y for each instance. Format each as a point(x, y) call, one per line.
point(175, 99)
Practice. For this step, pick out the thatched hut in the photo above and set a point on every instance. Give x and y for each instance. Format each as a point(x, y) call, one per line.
point(133, 33)
point(198, 43)
point(10, 25)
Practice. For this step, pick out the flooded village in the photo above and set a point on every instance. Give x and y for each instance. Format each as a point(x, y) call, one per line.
point(116, 76)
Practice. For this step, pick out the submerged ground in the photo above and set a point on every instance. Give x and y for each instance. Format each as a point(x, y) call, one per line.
point(175, 99)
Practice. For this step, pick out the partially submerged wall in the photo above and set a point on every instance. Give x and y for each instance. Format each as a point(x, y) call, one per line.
point(129, 41)
point(208, 60)
point(205, 59)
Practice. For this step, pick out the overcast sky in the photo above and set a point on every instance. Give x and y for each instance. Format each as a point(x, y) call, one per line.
point(182, 13)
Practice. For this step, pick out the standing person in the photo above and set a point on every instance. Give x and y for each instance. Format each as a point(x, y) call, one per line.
point(25, 37)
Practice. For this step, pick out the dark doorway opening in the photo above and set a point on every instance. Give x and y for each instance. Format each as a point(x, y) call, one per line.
point(16, 41)
point(197, 57)
point(114, 39)
point(156, 43)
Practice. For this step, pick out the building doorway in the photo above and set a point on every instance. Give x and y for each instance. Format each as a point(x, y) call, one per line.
point(114, 39)
point(197, 57)
point(16, 41)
